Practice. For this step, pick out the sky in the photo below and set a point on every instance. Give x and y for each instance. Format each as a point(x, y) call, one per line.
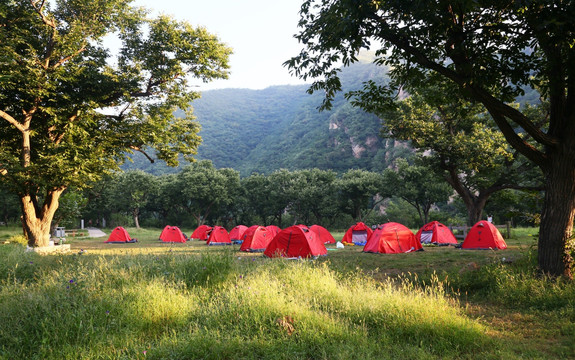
point(260, 32)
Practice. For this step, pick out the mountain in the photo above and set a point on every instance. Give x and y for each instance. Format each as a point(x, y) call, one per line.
point(281, 127)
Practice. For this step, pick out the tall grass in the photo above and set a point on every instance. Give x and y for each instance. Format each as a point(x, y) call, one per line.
point(216, 305)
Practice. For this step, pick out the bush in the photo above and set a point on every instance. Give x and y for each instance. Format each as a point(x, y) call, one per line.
point(18, 239)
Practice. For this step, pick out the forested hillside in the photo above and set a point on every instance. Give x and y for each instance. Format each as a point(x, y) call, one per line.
point(281, 127)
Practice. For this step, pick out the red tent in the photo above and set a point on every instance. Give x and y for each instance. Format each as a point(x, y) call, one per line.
point(435, 233)
point(237, 233)
point(256, 238)
point(357, 234)
point(484, 235)
point(273, 229)
point(294, 242)
point(392, 238)
point(322, 234)
point(172, 234)
point(201, 232)
point(120, 236)
point(219, 236)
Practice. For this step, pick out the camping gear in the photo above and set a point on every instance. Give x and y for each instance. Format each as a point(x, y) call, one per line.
point(256, 238)
point(484, 235)
point(322, 234)
point(236, 234)
point(120, 236)
point(357, 234)
point(392, 238)
point(219, 236)
point(172, 234)
point(295, 242)
point(435, 233)
point(202, 232)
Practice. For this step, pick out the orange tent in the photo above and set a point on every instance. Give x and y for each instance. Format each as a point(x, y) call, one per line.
point(322, 234)
point(201, 232)
point(392, 238)
point(295, 242)
point(219, 236)
point(120, 236)
point(435, 233)
point(256, 238)
point(237, 233)
point(484, 235)
point(273, 229)
point(172, 234)
point(357, 234)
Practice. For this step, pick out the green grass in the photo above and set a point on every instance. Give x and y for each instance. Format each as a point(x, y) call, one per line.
point(190, 301)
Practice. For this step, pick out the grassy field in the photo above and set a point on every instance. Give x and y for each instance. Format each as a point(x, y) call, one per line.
point(151, 300)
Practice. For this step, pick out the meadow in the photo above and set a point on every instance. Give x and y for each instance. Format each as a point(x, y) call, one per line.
point(152, 300)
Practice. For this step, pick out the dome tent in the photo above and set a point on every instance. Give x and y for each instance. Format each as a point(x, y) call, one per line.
point(256, 238)
point(172, 234)
point(273, 229)
point(236, 233)
point(484, 235)
point(201, 233)
point(357, 234)
point(322, 234)
point(392, 238)
point(435, 233)
point(219, 236)
point(295, 242)
point(120, 236)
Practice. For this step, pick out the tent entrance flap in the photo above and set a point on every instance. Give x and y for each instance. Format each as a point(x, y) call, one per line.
point(426, 237)
point(359, 237)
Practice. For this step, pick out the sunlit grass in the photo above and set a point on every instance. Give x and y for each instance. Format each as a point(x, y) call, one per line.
point(188, 301)
point(169, 305)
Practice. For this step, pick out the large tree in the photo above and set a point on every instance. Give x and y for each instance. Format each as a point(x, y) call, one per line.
point(132, 191)
point(490, 49)
point(358, 192)
point(205, 190)
point(69, 110)
point(457, 139)
point(419, 185)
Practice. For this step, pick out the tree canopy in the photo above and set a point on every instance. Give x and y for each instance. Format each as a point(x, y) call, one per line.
point(70, 109)
point(491, 50)
point(458, 140)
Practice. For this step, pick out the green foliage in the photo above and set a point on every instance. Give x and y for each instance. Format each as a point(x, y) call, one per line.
point(517, 285)
point(358, 192)
point(420, 186)
point(72, 202)
point(218, 306)
point(491, 52)
point(18, 239)
point(70, 110)
point(280, 128)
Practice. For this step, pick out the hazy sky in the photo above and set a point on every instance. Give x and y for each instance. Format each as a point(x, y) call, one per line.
point(259, 31)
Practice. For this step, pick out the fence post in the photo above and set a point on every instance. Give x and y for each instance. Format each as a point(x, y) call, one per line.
point(508, 229)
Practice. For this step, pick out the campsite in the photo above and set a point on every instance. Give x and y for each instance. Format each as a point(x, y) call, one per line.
point(186, 300)
point(150, 211)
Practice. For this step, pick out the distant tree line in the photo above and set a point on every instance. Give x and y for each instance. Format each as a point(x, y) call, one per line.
point(201, 194)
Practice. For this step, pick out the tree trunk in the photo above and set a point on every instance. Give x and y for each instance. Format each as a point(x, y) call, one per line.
point(475, 210)
point(473, 202)
point(35, 220)
point(557, 218)
point(135, 214)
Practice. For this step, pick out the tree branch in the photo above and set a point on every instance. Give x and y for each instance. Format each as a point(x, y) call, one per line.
point(67, 58)
point(498, 109)
point(138, 149)
point(12, 121)
point(39, 9)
